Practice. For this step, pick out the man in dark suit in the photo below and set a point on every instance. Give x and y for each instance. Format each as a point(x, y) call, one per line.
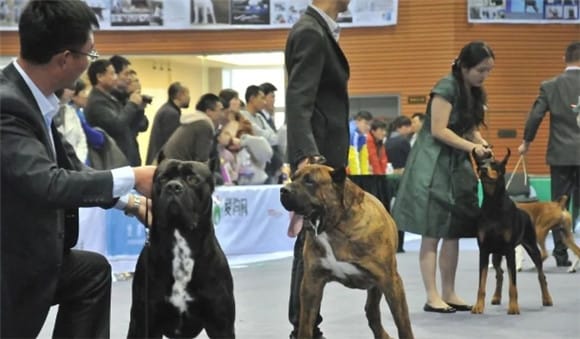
point(166, 120)
point(317, 108)
point(557, 96)
point(43, 183)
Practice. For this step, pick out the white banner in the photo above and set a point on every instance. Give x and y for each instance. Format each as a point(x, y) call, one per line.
point(524, 11)
point(213, 14)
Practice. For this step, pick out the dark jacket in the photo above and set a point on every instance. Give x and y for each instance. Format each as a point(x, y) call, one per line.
point(317, 105)
point(556, 96)
point(192, 140)
point(41, 190)
point(140, 123)
point(105, 111)
point(398, 148)
point(165, 123)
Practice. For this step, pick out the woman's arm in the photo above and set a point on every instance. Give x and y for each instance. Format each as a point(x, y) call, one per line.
point(440, 112)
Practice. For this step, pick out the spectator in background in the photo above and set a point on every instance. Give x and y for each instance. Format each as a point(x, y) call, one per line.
point(127, 91)
point(416, 125)
point(398, 143)
point(106, 112)
point(269, 110)
point(358, 157)
point(193, 140)
point(376, 147)
point(256, 102)
point(167, 118)
point(69, 125)
point(244, 155)
point(231, 100)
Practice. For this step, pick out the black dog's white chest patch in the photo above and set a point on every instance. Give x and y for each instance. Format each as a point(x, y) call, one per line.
point(183, 265)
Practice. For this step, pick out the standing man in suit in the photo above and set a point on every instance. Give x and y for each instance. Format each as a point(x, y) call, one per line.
point(43, 183)
point(557, 96)
point(317, 110)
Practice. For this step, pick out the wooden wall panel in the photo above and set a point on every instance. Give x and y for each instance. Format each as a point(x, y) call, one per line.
point(406, 59)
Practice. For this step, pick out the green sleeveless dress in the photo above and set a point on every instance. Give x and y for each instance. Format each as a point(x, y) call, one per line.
point(437, 195)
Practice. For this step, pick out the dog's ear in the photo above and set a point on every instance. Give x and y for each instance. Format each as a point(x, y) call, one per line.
point(339, 175)
point(160, 157)
point(507, 156)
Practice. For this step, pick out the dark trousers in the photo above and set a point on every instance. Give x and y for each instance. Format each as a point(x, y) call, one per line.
point(565, 180)
point(83, 293)
point(295, 282)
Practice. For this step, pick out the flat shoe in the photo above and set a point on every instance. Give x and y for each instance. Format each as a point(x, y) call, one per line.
point(448, 309)
point(460, 307)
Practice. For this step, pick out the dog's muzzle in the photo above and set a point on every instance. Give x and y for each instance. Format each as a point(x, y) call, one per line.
point(287, 200)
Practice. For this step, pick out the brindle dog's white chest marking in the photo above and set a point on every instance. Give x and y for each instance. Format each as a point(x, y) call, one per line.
point(182, 272)
point(340, 269)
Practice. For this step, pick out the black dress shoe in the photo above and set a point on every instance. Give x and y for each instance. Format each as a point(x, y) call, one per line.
point(448, 309)
point(563, 262)
point(317, 335)
point(458, 307)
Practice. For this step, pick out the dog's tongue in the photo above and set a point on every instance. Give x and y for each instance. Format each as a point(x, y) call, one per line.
point(296, 221)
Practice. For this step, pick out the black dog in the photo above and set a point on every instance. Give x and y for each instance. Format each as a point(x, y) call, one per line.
point(501, 228)
point(182, 282)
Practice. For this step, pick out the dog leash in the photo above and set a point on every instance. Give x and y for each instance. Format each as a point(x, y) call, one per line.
point(522, 160)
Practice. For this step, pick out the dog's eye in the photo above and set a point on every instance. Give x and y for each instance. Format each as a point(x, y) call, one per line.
point(192, 179)
point(308, 180)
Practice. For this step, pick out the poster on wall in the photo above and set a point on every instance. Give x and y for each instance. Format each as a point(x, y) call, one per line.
point(524, 11)
point(212, 14)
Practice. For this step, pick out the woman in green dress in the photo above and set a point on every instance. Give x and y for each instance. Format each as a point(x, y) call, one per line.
point(437, 196)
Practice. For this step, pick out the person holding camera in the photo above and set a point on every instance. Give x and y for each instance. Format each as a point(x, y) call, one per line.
point(128, 91)
point(107, 112)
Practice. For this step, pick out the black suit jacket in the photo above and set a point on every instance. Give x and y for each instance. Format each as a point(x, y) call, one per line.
point(105, 111)
point(165, 123)
point(556, 96)
point(317, 103)
point(41, 191)
point(398, 148)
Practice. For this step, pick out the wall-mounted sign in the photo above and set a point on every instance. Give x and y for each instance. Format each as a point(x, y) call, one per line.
point(416, 99)
point(213, 14)
point(524, 11)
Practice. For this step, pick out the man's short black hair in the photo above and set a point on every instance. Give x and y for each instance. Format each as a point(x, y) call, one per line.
point(227, 95)
point(378, 124)
point(207, 101)
point(400, 121)
point(251, 92)
point(364, 115)
point(119, 63)
point(80, 86)
point(174, 89)
point(573, 52)
point(96, 68)
point(267, 88)
point(47, 28)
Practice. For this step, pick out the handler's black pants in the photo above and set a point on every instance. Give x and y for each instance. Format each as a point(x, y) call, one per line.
point(296, 280)
point(565, 180)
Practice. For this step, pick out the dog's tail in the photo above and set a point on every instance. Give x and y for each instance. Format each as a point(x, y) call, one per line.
point(562, 201)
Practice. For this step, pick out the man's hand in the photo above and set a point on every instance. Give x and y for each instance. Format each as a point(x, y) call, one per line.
point(136, 98)
point(144, 214)
point(144, 179)
point(523, 148)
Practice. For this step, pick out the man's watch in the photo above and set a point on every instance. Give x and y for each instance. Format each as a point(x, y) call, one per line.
point(134, 208)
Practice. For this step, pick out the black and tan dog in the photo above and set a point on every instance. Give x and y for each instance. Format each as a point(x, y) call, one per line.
point(501, 227)
point(182, 283)
point(350, 239)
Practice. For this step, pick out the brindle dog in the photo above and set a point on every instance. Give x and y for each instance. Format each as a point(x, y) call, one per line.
point(350, 239)
point(501, 227)
point(182, 282)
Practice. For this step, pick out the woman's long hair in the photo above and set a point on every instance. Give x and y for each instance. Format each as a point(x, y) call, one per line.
point(471, 102)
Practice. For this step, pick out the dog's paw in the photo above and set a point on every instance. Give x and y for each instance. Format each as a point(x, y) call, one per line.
point(572, 270)
point(477, 308)
point(547, 302)
point(496, 301)
point(513, 309)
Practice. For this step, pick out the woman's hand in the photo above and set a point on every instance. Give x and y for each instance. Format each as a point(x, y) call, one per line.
point(482, 151)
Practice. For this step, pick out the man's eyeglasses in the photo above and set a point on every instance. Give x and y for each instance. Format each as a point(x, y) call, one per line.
point(93, 55)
